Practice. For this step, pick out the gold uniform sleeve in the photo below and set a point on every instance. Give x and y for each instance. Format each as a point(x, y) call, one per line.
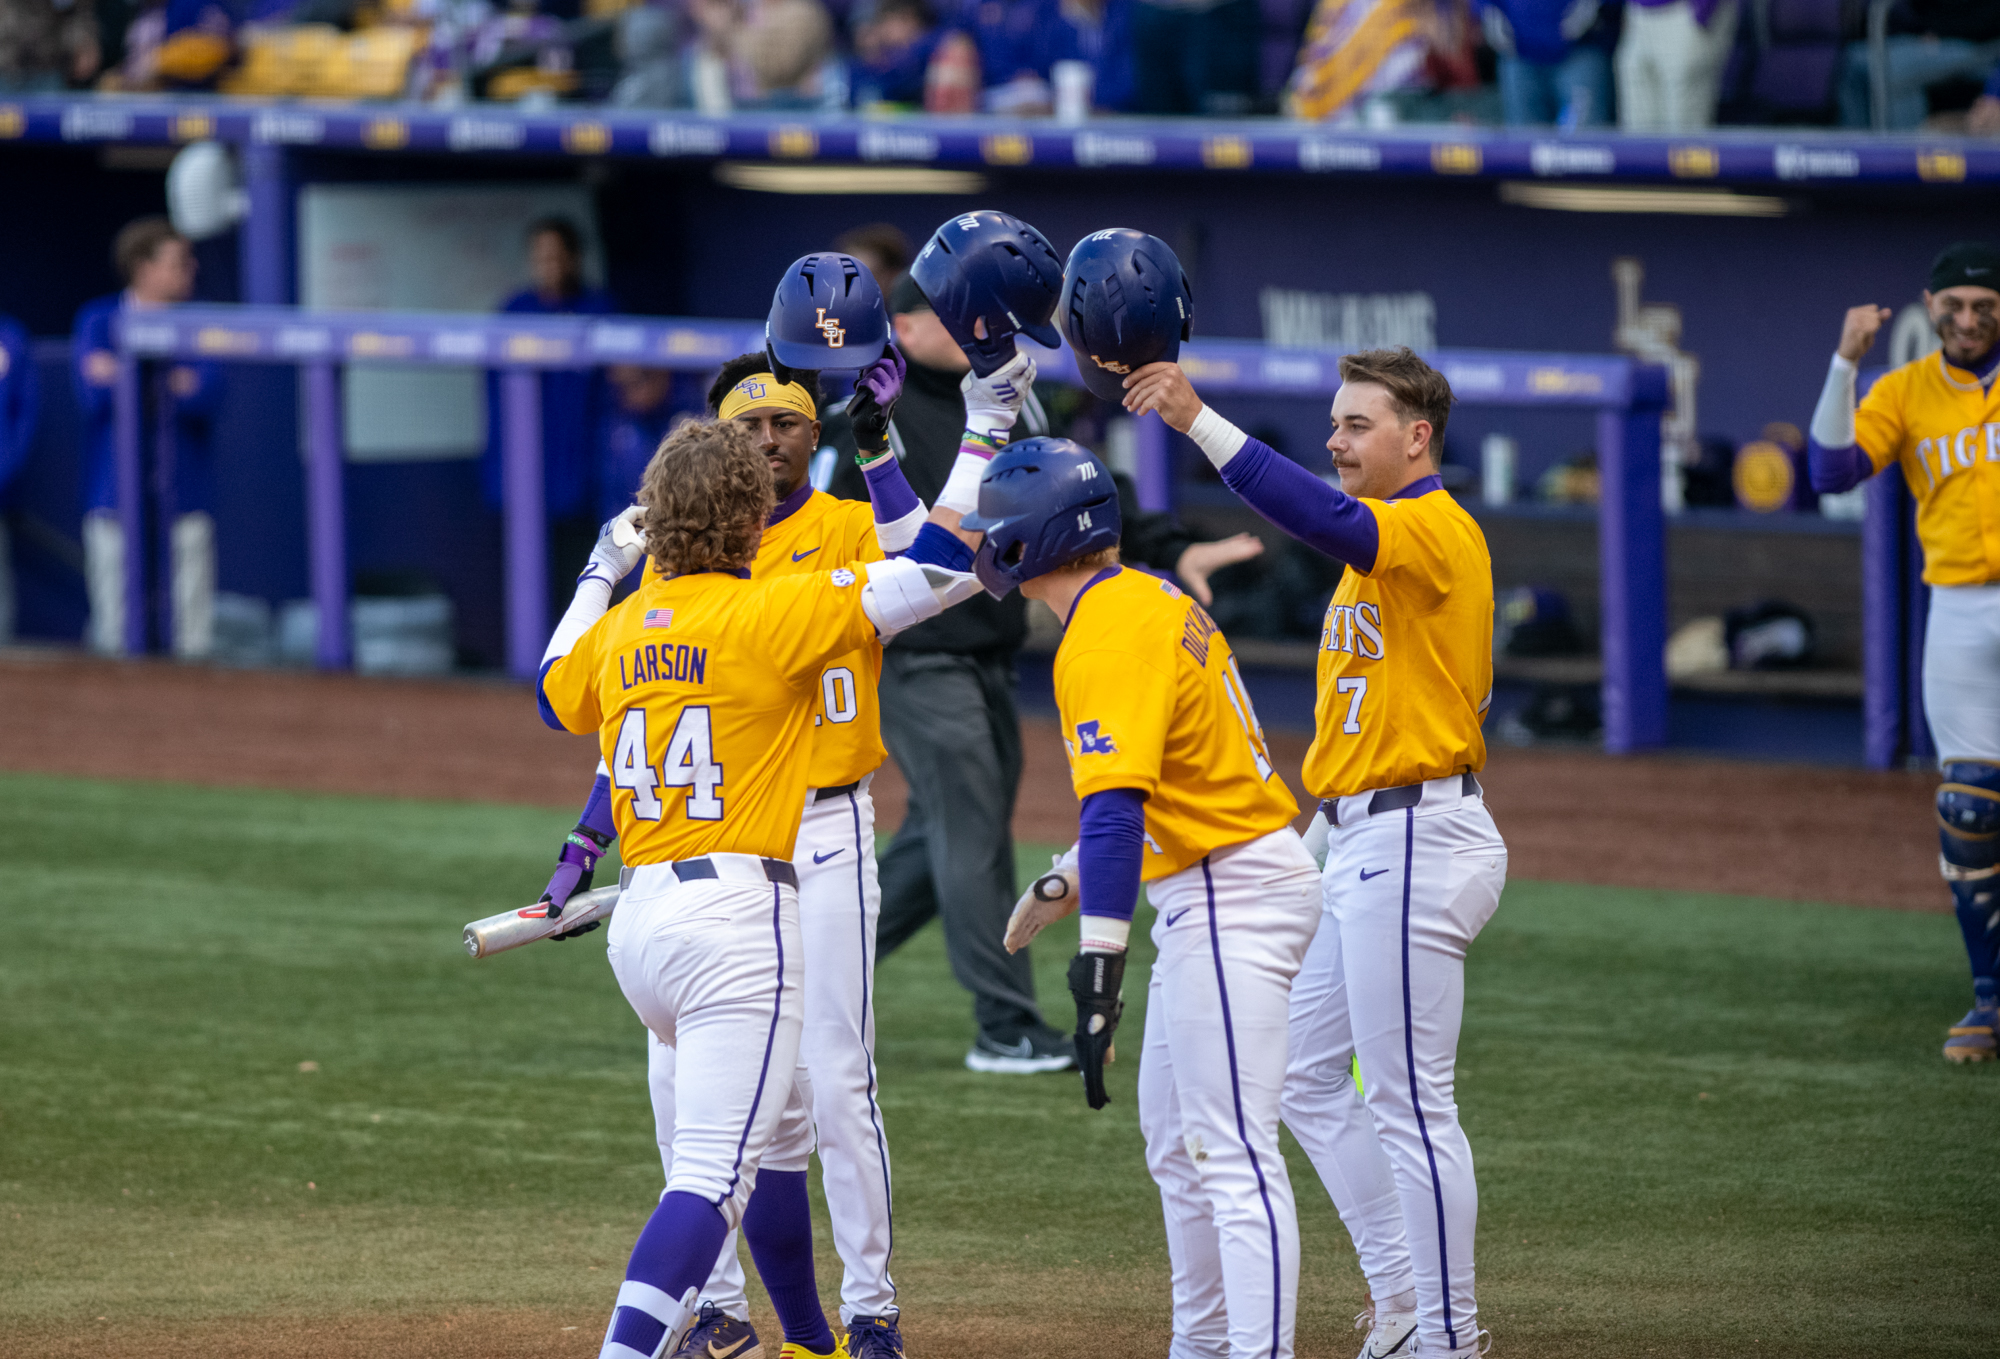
point(803, 622)
point(570, 684)
point(1879, 427)
point(1409, 554)
point(1116, 706)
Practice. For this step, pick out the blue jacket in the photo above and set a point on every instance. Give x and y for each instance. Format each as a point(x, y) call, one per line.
point(625, 445)
point(20, 401)
point(185, 480)
point(570, 404)
point(1016, 36)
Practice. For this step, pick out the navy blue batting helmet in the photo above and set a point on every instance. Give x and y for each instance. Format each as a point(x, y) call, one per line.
point(827, 313)
point(1125, 303)
point(1042, 502)
point(991, 266)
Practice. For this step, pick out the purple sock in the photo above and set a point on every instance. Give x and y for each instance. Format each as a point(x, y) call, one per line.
point(674, 1253)
point(778, 1226)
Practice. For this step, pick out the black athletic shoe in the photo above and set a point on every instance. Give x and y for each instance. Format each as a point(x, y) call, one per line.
point(1022, 1052)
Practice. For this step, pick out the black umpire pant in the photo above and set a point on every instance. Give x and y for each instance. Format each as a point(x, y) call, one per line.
point(949, 720)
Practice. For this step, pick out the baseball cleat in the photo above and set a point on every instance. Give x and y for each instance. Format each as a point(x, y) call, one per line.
point(792, 1350)
point(1975, 1038)
point(718, 1335)
point(1029, 1051)
point(1389, 1333)
point(875, 1338)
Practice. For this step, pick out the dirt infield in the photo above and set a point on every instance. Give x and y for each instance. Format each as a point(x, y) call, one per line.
point(1667, 822)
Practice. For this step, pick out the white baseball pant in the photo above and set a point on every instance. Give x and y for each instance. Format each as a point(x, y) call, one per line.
point(839, 900)
point(1962, 672)
point(1231, 933)
point(1406, 890)
point(712, 967)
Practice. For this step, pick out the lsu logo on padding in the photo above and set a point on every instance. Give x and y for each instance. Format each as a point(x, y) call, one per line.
point(836, 334)
point(1090, 741)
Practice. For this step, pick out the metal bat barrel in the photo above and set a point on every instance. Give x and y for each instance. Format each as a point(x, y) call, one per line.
point(511, 929)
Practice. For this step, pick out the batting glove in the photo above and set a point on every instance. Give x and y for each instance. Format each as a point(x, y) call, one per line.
point(1048, 899)
point(575, 867)
point(1097, 982)
point(618, 549)
point(874, 401)
point(993, 403)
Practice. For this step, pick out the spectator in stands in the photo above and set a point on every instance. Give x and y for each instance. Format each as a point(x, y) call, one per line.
point(1670, 63)
point(894, 41)
point(1929, 42)
point(177, 482)
point(881, 246)
point(1355, 50)
point(571, 402)
point(1197, 56)
point(46, 45)
point(1020, 41)
point(19, 408)
point(1554, 60)
point(1984, 118)
point(652, 75)
point(760, 54)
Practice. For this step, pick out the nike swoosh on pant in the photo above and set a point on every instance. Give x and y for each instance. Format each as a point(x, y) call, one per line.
point(822, 858)
point(1177, 915)
point(1366, 875)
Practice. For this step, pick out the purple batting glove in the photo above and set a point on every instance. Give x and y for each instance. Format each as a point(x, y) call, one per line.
point(875, 394)
point(575, 866)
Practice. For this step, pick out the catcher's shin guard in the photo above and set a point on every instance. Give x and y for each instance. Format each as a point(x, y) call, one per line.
point(1968, 804)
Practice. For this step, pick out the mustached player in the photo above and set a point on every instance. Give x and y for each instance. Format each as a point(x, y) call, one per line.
point(702, 687)
point(1938, 417)
point(1414, 865)
point(1178, 792)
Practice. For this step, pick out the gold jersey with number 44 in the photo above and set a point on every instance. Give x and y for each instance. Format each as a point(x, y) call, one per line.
point(702, 690)
point(1150, 698)
point(1406, 655)
point(823, 533)
point(1943, 425)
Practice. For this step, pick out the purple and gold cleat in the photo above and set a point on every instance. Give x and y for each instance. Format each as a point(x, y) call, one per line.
point(875, 1337)
point(718, 1335)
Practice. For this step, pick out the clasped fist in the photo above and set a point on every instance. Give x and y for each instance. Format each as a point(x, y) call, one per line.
point(993, 402)
point(1858, 331)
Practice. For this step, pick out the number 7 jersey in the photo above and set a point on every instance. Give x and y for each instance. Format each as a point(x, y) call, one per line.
point(1150, 698)
point(1406, 656)
point(702, 690)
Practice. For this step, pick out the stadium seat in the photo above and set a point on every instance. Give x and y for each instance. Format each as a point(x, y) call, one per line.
point(1792, 58)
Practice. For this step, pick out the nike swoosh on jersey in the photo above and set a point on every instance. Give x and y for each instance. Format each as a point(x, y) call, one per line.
point(1177, 915)
point(801, 556)
point(822, 858)
point(1366, 875)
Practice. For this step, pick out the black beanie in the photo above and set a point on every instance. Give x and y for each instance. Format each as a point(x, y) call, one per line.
point(1969, 264)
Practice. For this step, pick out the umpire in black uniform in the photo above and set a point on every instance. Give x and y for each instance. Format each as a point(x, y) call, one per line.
point(949, 719)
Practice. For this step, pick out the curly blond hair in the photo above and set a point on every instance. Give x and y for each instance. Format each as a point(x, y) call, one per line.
point(707, 493)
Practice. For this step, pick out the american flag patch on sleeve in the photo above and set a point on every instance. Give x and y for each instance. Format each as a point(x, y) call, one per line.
point(659, 618)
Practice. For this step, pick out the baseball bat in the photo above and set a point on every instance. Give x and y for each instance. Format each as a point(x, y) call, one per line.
point(511, 929)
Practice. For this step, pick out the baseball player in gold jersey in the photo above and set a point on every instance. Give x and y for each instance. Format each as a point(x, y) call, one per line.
point(1178, 792)
point(703, 687)
point(1938, 417)
point(1414, 865)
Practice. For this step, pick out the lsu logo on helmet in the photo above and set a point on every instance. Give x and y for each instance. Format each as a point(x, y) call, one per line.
point(836, 334)
point(1113, 366)
point(1090, 741)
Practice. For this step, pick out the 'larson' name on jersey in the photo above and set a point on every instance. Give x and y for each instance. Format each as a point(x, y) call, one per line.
point(662, 662)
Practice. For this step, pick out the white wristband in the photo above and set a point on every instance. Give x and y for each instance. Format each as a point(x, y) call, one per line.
point(961, 488)
point(1104, 934)
point(1833, 417)
point(593, 597)
point(1219, 439)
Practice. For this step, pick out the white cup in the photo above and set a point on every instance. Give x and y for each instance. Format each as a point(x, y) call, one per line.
point(1073, 80)
point(1499, 456)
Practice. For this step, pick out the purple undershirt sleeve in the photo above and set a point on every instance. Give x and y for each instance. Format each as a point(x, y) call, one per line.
point(889, 490)
point(1322, 517)
point(1833, 470)
point(597, 816)
point(1113, 831)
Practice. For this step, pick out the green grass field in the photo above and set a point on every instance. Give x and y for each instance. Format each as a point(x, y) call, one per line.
point(255, 1099)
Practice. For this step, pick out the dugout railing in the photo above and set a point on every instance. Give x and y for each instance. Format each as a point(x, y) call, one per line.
point(1627, 397)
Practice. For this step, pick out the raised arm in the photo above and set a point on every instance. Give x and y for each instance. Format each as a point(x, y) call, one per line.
point(1322, 517)
point(898, 511)
point(1833, 460)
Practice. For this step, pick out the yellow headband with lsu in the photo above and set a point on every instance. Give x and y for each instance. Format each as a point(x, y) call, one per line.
point(763, 392)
